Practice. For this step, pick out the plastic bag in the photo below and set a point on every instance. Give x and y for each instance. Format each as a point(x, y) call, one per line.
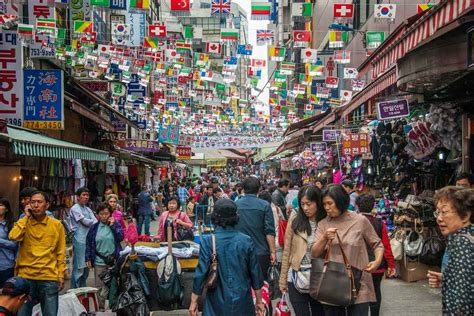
point(138, 269)
point(131, 300)
point(282, 307)
point(273, 282)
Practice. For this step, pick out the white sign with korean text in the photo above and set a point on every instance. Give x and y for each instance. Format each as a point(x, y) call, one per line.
point(40, 9)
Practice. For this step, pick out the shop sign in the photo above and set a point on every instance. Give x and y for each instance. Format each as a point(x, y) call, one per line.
point(110, 166)
point(40, 9)
point(11, 65)
point(470, 48)
point(43, 99)
point(216, 162)
point(99, 87)
point(169, 134)
point(331, 135)
point(318, 147)
point(388, 110)
point(354, 144)
point(137, 28)
point(141, 145)
point(183, 152)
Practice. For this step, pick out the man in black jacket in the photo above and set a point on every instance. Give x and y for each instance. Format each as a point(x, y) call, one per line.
point(278, 196)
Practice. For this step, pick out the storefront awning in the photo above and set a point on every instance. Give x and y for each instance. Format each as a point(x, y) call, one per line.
point(27, 142)
point(305, 124)
point(230, 155)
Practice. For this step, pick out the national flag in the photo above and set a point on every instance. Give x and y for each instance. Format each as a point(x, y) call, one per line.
point(308, 107)
point(342, 56)
point(332, 82)
point(374, 39)
point(61, 33)
point(358, 85)
point(156, 30)
point(264, 36)
point(314, 69)
point(243, 49)
point(425, 7)
point(103, 49)
point(337, 39)
point(276, 53)
point(180, 5)
point(302, 36)
point(86, 38)
point(100, 3)
point(45, 25)
point(299, 88)
point(287, 67)
point(272, 101)
point(150, 42)
point(220, 7)
point(254, 72)
point(385, 11)
point(25, 29)
point(350, 73)
point(120, 29)
point(8, 20)
point(309, 55)
point(305, 79)
point(323, 92)
point(213, 48)
point(343, 10)
point(83, 26)
point(258, 63)
point(336, 102)
point(302, 9)
point(261, 8)
point(141, 4)
point(183, 46)
point(346, 95)
point(229, 34)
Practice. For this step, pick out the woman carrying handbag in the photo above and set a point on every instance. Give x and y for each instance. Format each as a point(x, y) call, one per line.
point(345, 237)
point(296, 261)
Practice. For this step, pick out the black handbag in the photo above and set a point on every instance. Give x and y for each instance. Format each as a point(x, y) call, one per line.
point(184, 233)
point(108, 260)
point(433, 250)
point(334, 283)
point(273, 282)
point(170, 290)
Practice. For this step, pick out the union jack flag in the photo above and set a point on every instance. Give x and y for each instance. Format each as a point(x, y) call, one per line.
point(264, 36)
point(220, 7)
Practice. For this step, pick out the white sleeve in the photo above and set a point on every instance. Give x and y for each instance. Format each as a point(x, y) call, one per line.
point(76, 213)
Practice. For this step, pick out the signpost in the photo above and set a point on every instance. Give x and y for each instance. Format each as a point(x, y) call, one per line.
point(388, 110)
point(331, 135)
point(319, 147)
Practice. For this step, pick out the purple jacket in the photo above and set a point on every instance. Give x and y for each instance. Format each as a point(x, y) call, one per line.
point(91, 243)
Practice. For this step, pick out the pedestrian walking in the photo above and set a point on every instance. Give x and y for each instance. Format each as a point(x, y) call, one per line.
point(144, 211)
point(82, 219)
point(256, 220)
point(41, 258)
point(279, 196)
point(296, 261)
point(454, 211)
point(357, 235)
point(7, 247)
point(183, 195)
point(237, 269)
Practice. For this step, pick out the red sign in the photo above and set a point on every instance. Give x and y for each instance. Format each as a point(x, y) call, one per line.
point(157, 30)
point(179, 5)
point(183, 152)
point(354, 144)
point(302, 36)
point(342, 10)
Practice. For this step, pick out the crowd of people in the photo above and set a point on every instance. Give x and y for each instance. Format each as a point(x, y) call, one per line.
point(254, 226)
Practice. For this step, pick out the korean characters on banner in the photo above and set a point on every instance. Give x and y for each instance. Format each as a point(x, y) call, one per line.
point(183, 152)
point(355, 144)
point(41, 46)
point(43, 99)
point(11, 80)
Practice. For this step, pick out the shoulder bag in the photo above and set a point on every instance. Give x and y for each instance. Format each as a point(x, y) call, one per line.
point(413, 244)
point(396, 243)
point(334, 283)
point(301, 278)
point(184, 233)
point(212, 275)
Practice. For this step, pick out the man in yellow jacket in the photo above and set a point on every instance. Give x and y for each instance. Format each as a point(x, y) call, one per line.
point(41, 259)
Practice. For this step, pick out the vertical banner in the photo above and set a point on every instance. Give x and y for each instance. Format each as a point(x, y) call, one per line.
point(137, 28)
point(43, 99)
point(79, 10)
point(40, 9)
point(11, 68)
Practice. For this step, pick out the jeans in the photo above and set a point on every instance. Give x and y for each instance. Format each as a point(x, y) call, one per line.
point(303, 304)
point(5, 275)
point(264, 262)
point(144, 219)
point(44, 292)
point(80, 272)
point(375, 307)
point(353, 310)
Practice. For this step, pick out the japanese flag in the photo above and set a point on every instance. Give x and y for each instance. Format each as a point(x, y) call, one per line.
point(309, 55)
point(346, 95)
point(103, 49)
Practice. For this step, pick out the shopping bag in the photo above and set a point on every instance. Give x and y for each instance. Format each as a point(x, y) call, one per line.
point(282, 307)
point(273, 281)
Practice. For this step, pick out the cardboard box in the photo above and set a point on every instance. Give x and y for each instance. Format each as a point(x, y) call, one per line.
point(414, 271)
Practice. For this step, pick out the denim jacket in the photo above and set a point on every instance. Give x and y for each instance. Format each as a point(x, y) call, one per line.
point(91, 243)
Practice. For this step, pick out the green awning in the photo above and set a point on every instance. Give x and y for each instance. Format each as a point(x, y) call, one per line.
point(27, 142)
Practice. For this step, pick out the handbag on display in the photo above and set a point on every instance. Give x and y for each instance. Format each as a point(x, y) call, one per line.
point(334, 283)
point(301, 278)
point(433, 250)
point(212, 275)
point(396, 243)
point(413, 244)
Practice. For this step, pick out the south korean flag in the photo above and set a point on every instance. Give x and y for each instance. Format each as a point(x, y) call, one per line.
point(350, 73)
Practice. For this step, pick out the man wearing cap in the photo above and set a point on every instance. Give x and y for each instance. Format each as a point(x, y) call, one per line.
point(13, 295)
point(41, 258)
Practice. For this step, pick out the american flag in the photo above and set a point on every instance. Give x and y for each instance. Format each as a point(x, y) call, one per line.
point(220, 7)
point(264, 36)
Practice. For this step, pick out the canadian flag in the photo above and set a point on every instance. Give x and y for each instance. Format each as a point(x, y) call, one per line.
point(213, 48)
point(342, 10)
point(156, 31)
point(309, 55)
point(179, 5)
point(259, 63)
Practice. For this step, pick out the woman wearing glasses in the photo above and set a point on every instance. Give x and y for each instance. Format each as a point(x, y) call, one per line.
point(454, 208)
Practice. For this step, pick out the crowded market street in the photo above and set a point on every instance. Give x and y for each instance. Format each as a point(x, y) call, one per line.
point(236, 157)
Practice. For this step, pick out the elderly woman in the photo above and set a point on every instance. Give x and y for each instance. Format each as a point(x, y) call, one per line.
point(238, 269)
point(357, 235)
point(454, 208)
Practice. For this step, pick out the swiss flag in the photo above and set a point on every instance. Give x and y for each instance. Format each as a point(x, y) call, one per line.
point(302, 36)
point(179, 5)
point(157, 31)
point(213, 48)
point(343, 10)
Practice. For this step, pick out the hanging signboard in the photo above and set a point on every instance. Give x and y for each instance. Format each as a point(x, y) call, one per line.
point(137, 23)
point(388, 110)
point(40, 9)
point(216, 162)
point(319, 147)
point(11, 65)
point(183, 152)
point(43, 99)
point(141, 145)
point(354, 144)
point(330, 135)
point(169, 134)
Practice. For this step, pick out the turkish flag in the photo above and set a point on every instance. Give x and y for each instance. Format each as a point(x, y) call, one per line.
point(179, 5)
point(343, 10)
point(332, 82)
point(302, 36)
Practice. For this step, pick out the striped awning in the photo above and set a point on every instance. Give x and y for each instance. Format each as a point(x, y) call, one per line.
point(439, 16)
point(26, 142)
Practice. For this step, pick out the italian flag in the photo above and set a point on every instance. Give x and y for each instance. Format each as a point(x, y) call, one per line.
point(46, 25)
point(261, 8)
point(25, 29)
point(139, 4)
point(229, 34)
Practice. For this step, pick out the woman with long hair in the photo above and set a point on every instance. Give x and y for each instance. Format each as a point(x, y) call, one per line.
point(7, 246)
point(296, 261)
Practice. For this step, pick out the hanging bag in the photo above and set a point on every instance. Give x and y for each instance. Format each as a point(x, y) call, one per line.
point(183, 232)
point(282, 307)
point(273, 278)
point(212, 275)
point(301, 278)
point(413, 244)
point(334, 283)
point(396, 243)
point(433, 250)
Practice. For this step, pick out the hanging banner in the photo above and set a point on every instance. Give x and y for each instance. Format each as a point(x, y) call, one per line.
point(330, 135)
point(319, 147)
point(183, 152)
point(354, 144)
point(169, 134)
point(137, 22)
point(43, 99)
point(388, 110)
point(40, 9)
point(79, 10)
point(374, 39)
point(141, 145)
point(11, 85)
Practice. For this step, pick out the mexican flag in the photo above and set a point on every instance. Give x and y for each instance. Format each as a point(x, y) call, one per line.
point(229, 34)
point(46, 25)
point(25, 29)
point(140, 4)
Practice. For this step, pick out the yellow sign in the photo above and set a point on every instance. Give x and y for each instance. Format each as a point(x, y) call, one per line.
point(43, 125)
point(216, 162)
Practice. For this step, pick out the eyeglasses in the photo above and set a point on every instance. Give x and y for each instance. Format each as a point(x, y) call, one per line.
point(441, 213)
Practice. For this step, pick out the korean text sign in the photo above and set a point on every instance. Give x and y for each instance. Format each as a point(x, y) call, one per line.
point(43, 99)
point(354, 144)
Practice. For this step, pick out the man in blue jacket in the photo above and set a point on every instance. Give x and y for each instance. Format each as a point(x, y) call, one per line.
point(144, 211)
point(256, 221)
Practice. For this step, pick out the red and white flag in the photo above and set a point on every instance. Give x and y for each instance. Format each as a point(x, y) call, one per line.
point(156, 31)
point(302, 36)
point(179, 5)
point(213, 48)
point(343, 10)
point(258, 63)
point(346, 95)
point(309, 55)
point(332, 82)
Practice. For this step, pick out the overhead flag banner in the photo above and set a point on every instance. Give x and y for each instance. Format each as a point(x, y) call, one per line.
point(45, 26)
point(229, 34)
point(350, 73)
point(261, 10)
point(276, 53)
point(301, 36)
point(304, 9)
point(425, 7)
point(265, 36)
point(140, 4)
point(337, 39)
point(220, 7)
point(343, 10)
point(309, 55)
point(25, 29)
point(374, 39)
point(342, 56)
point(179, 5)
point(385, 11)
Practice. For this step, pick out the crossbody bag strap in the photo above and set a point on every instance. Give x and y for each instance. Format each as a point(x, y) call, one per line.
point(214, 254)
